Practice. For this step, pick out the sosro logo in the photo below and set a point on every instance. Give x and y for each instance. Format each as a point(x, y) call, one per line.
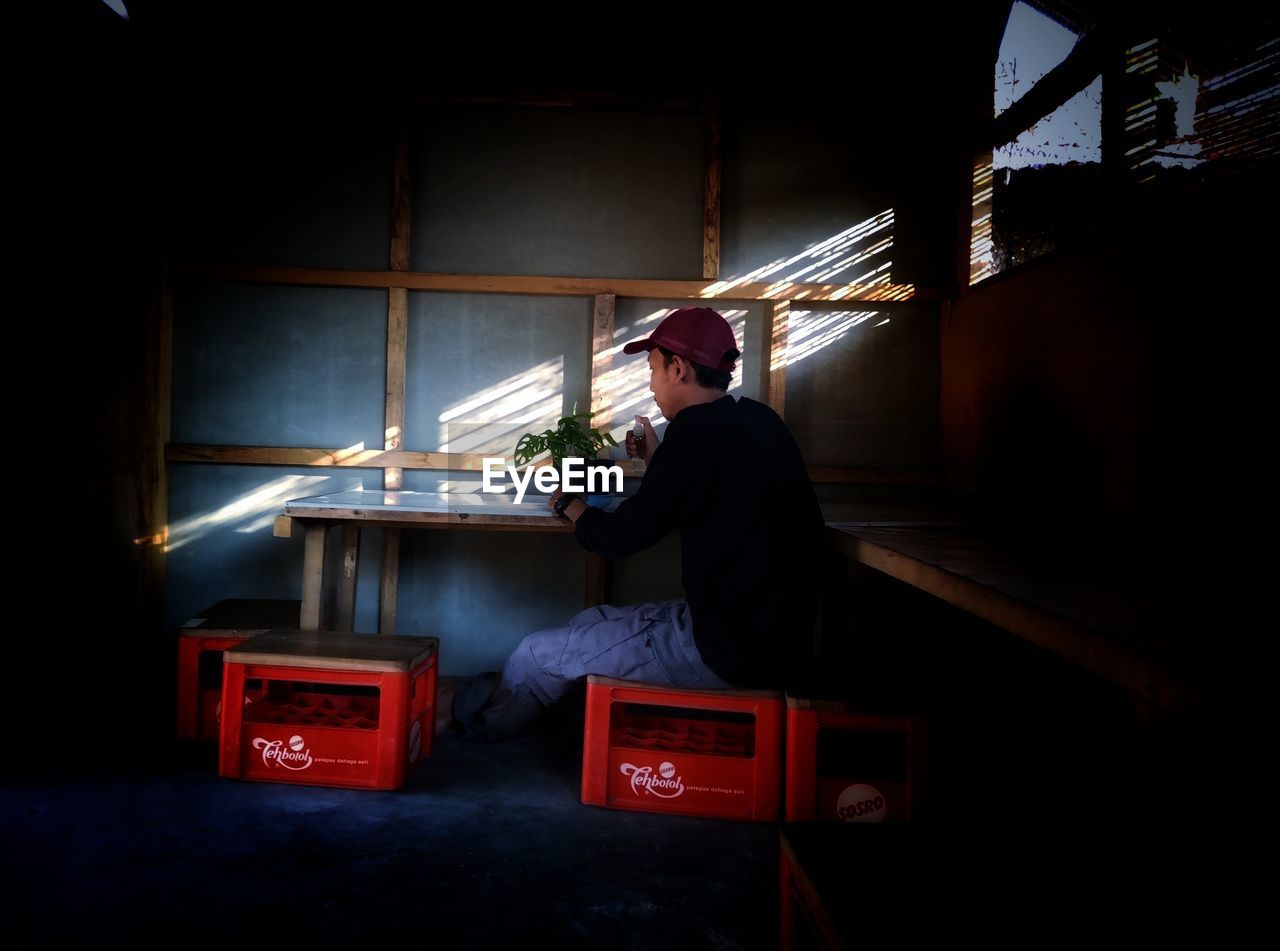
point(666, 784)
point(297, 756)
point(861, 803)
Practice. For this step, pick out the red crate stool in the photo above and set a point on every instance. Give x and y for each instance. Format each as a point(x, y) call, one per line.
point(850, 763)
point(201, 641)
point(688, 752)
point(333, 710)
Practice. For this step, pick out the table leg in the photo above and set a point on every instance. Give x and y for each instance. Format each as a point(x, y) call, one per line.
point(312, 577)
point(345, 617)
point(390, 581)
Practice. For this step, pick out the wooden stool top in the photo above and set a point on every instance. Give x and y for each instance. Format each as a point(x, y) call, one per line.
point(245, 616)
point(880, 703)
point(728, 692)
point(330, 650)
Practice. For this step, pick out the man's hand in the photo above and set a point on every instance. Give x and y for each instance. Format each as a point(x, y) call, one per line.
point(571, 511)
point(642, 450)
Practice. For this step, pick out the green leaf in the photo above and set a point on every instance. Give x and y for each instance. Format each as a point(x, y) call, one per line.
point(571, 437)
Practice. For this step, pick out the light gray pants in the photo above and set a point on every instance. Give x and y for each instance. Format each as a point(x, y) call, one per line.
point(651, 643)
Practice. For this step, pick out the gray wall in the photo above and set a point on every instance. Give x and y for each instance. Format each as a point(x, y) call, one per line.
point(862, 387)
point(278, 366)
point(498, 191)
point(545, 191)
point(252, 184)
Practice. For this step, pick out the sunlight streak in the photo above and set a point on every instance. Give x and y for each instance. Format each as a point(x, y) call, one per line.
point(824, 259)
point(493, 419)
point(257, 509)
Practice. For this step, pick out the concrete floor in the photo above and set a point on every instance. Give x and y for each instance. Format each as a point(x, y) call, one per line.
point(485, 846)
point(1043, 809)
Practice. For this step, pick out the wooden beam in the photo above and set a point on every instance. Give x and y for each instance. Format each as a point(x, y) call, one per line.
point(773, 367)
point(858, 306)
point(765, 349)
point(973, 163)
point(346, 458)
point(283, 527)
point(397, 350)
point(299, 456)
point(711, 188)
point(1082, 65)
point(971, 257)
point(602, 361)
point(401, 203)
point(397, 311)
point(885, 295)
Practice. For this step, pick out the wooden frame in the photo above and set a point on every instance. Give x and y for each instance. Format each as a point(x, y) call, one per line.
point(398, 280)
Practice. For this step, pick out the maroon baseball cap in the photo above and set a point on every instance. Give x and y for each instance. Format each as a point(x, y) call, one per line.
point(695, 333)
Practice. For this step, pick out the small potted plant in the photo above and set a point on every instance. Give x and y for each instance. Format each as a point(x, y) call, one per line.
point(571, 438)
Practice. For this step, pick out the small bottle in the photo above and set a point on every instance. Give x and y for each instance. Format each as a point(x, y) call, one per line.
point(637, 431)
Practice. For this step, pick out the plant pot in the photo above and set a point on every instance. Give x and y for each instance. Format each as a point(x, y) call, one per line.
point(599, 464)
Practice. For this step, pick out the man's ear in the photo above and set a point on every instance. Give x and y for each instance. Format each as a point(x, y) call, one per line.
point(682, 368)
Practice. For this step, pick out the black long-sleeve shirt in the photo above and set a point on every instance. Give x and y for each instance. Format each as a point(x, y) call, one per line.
point(730, 477)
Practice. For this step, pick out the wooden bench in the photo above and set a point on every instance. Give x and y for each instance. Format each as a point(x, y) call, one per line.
point(1131, 635)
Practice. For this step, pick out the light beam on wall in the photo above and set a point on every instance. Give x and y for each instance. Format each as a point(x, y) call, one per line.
point(250, 512)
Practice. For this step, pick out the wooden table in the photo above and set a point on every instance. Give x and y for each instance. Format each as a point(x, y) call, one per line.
point(1104, 624)
point(396, 510)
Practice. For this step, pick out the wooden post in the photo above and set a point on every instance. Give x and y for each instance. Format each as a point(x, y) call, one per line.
point(397, 311)
point(401, 203)
point(602, 361)
point(773, 365)
point(397, 346)
point(397, 342)
point(711, 188)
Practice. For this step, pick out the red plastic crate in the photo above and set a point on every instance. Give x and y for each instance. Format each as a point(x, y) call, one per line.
point(333, 709)
point(711, 753)
point(849, 766)
point(201, 642)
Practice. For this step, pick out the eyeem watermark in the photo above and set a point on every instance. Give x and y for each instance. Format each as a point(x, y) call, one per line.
point(574, 476)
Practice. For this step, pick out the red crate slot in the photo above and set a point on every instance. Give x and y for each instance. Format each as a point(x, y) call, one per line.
point(316, 709)
point(703, 753)
point(632, 726)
